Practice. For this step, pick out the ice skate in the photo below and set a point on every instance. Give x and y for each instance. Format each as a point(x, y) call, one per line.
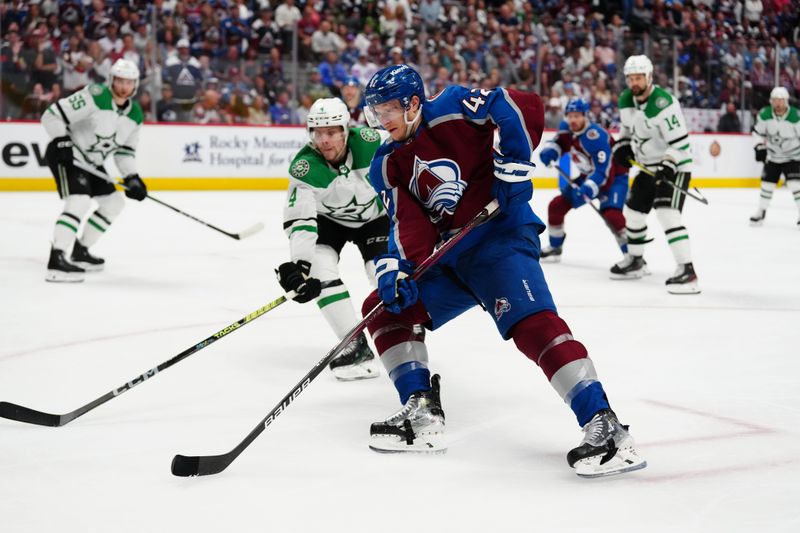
point(417, 427)
point(631, 267)
point(606, 449)
point(62, 271)
point(684, 281)
point(356, 362)
point(550, 254)
point(82, 258)
point(758, 217)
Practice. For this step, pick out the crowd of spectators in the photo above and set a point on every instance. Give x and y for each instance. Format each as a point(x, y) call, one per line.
point(241, 61)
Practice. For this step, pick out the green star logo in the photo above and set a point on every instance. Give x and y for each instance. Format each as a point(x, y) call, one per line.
point(352, 210)
point(104, 145)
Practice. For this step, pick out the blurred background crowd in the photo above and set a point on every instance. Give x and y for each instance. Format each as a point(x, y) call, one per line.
point(266, 61)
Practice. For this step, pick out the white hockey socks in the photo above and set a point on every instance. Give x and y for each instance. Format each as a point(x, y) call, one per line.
point(69, 221)
point(767, 190)
point(110, 206)
point(636, 229)
point(677, 236)
point(794, 186)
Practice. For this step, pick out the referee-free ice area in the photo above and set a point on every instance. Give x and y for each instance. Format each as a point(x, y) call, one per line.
point(709, 385)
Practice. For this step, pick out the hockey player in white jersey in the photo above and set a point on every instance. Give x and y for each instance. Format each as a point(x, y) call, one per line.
point(653, 132)
point(778, 131)
point(330, 202)
point(85, 128)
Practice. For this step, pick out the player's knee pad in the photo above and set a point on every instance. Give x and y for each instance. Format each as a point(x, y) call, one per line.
point(793, 184)
point(557, 209)
point(78, 205)
point(389, 329)
point(642, 193)
point(669, 217)
point(615, 218)
point(111, 205)
point(325, 266)
point(546, 340)
point(634, 220)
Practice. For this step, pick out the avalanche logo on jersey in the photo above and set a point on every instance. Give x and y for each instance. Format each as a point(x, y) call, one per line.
point(582, 162)
point(438, 185)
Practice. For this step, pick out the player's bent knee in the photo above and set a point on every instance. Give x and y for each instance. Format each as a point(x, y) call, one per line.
point(111, 205)
point(546, 340)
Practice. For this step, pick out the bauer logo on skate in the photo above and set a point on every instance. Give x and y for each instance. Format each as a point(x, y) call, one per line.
point(501, 306)
point(438, 185)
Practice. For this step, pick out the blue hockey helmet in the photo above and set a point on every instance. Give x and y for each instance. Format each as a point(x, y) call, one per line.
point(577, 105)
point(351, 81)
point(396, 82)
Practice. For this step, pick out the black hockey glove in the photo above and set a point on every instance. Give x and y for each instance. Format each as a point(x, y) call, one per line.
point(135, 188)
point(761, 152)
point(622, 152)
point(294, 277)
point(666, 172)
point(59, 151)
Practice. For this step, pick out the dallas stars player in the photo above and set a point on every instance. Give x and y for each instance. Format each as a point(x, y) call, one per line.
point(88, 126)
point(653, 128)
point(778, 128)
point(330, 202)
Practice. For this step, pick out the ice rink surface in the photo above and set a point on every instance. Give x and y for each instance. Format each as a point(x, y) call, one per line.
point(708, 383)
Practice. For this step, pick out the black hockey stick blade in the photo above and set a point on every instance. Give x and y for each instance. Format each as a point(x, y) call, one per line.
point(188, 466)
point(19, 413)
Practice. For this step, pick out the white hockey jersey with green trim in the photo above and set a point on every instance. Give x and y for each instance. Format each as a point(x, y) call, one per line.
point(656, 128)
point(781, 134)
point(342, 194)
point(97, 126)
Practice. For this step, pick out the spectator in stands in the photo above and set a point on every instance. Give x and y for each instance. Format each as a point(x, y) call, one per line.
point(266, 33)
point(315, 88)
point(258, 113)
point(324, 40)
point(286, 16)
point(282, 112)
point(729, 121)
point(75, 66)
point(429, 12)
point(332, 72)
point(207, 110)
point(111, 42)
point(183, 73)
point(166, 109)
point(42, 59)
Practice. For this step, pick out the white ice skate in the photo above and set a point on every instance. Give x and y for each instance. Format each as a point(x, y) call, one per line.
point(758, 217)
point(417, 427)
point(684, 281)
point(631, 267)
point(356, 362)
point(550, 255)
point(606, 449)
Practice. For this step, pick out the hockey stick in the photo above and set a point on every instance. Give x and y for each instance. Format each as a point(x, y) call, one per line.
point(255, 228)
point(19, 413)
point(589, 201)
point(184, 466)
point(697, 195)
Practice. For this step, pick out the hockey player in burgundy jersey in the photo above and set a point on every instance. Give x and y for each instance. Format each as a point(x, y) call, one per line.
point(589, 146)
point(436, 173)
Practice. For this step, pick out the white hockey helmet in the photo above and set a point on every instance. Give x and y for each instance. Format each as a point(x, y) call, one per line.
point(779, 93)
point(125, 69)
point(328, 112)
point(639, 65)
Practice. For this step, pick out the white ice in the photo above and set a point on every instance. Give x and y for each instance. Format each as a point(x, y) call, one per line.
point(709, 385)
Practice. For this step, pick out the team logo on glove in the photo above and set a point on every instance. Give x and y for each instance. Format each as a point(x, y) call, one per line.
point(501, 306)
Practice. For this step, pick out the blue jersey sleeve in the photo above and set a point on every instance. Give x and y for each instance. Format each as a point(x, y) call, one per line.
point(515, 114)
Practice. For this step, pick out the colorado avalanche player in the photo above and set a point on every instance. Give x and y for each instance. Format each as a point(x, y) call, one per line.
point(589, 146)
point(436, 173)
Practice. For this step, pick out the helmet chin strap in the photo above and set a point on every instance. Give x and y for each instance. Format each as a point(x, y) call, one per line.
point(410, 124)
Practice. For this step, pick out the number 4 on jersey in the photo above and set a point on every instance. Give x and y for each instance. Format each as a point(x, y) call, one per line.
point(475, 102)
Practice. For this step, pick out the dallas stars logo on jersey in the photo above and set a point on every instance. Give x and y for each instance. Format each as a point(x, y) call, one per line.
point(350, 211)
point(104, 145)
